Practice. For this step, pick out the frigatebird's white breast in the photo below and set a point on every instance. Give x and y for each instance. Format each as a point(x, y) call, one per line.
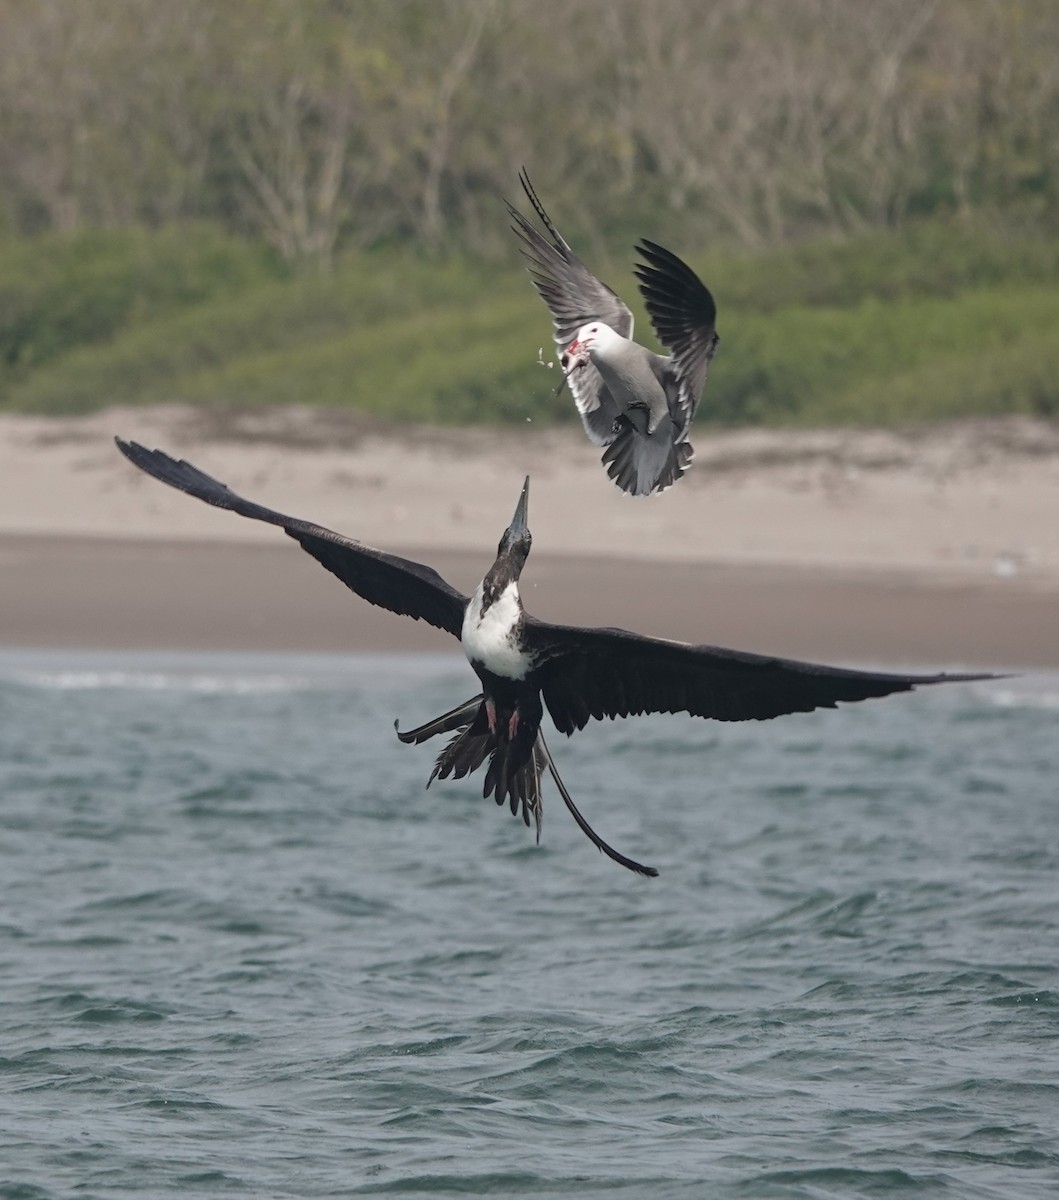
point(579, 674)
point(638, 404)
point(491, 632)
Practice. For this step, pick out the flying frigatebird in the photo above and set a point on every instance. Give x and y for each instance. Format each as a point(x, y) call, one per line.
point(636, 403)
point(525, 664)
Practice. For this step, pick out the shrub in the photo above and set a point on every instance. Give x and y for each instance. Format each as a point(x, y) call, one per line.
point(61, 291)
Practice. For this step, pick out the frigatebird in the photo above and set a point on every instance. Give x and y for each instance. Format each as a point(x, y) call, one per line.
point(636, 403)
point(525, 665)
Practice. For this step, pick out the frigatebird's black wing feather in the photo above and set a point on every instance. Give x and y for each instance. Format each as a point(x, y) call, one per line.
point(398, 584)
point(598, 673)
point(684, 317)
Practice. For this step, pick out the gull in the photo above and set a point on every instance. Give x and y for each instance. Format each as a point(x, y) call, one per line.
point(636, 403)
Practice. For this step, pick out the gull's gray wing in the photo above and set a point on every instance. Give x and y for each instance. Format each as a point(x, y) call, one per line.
point(684, 317)
point(398, 584)
point(574, 297)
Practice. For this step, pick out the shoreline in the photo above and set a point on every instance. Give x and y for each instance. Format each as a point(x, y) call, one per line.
point(936, 546)
point(125, 593)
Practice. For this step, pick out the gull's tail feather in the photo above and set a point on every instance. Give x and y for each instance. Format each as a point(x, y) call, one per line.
point(642, 463)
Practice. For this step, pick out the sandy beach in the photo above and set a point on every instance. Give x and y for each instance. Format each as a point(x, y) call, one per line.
point(934, 547)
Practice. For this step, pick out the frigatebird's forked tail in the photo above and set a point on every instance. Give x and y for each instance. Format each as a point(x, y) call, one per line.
point(471, 746)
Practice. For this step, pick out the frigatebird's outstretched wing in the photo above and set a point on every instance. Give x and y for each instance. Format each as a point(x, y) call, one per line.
point(404, 587)
point(586, 673)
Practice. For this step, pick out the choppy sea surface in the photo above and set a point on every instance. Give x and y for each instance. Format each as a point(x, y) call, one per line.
point(244, 953)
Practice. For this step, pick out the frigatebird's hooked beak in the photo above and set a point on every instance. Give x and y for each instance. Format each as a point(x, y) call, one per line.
point(512, 552)
point(519, 528)
point(517, 539)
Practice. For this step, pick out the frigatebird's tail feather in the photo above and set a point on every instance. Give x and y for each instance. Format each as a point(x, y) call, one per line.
point(514, 767)
point(514, 772)
point(499, 778)
point(532, 789)
point(642, 463)
point(546, 759)
point(467, 750)
point(464, 754)
point(520, 785)
point(458, 718)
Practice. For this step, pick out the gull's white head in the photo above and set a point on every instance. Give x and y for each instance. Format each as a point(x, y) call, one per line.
point(591, 340)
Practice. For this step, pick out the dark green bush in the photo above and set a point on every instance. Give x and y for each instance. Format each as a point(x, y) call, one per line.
point(932, 259)
point(937, 321)
point(823, 365)
point(61, 291)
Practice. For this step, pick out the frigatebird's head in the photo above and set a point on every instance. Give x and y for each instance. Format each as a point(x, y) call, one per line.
point(517, 539)
point(511, 554)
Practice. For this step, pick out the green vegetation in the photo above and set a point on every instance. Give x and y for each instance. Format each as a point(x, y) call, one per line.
point(879, 362)
point(937, 321)
point(62, 291)
point(321, 126)
point(280, 201)
point(933, 258)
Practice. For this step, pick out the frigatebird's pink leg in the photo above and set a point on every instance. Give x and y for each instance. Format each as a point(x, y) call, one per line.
point(490, 713)
point(512, 725)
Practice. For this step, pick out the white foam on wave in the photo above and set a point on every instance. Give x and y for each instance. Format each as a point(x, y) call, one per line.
point(1017, 698)
point(156, 681)
point(221, 673)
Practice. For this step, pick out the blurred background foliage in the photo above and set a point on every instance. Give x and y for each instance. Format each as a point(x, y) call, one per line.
point(273, 201)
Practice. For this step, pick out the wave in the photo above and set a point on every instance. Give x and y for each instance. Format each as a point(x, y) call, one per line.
point(1021, 698)
point(158, 681)
point(221, 673)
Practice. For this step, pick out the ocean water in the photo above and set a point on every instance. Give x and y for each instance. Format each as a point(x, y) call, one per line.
point(243, 952)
